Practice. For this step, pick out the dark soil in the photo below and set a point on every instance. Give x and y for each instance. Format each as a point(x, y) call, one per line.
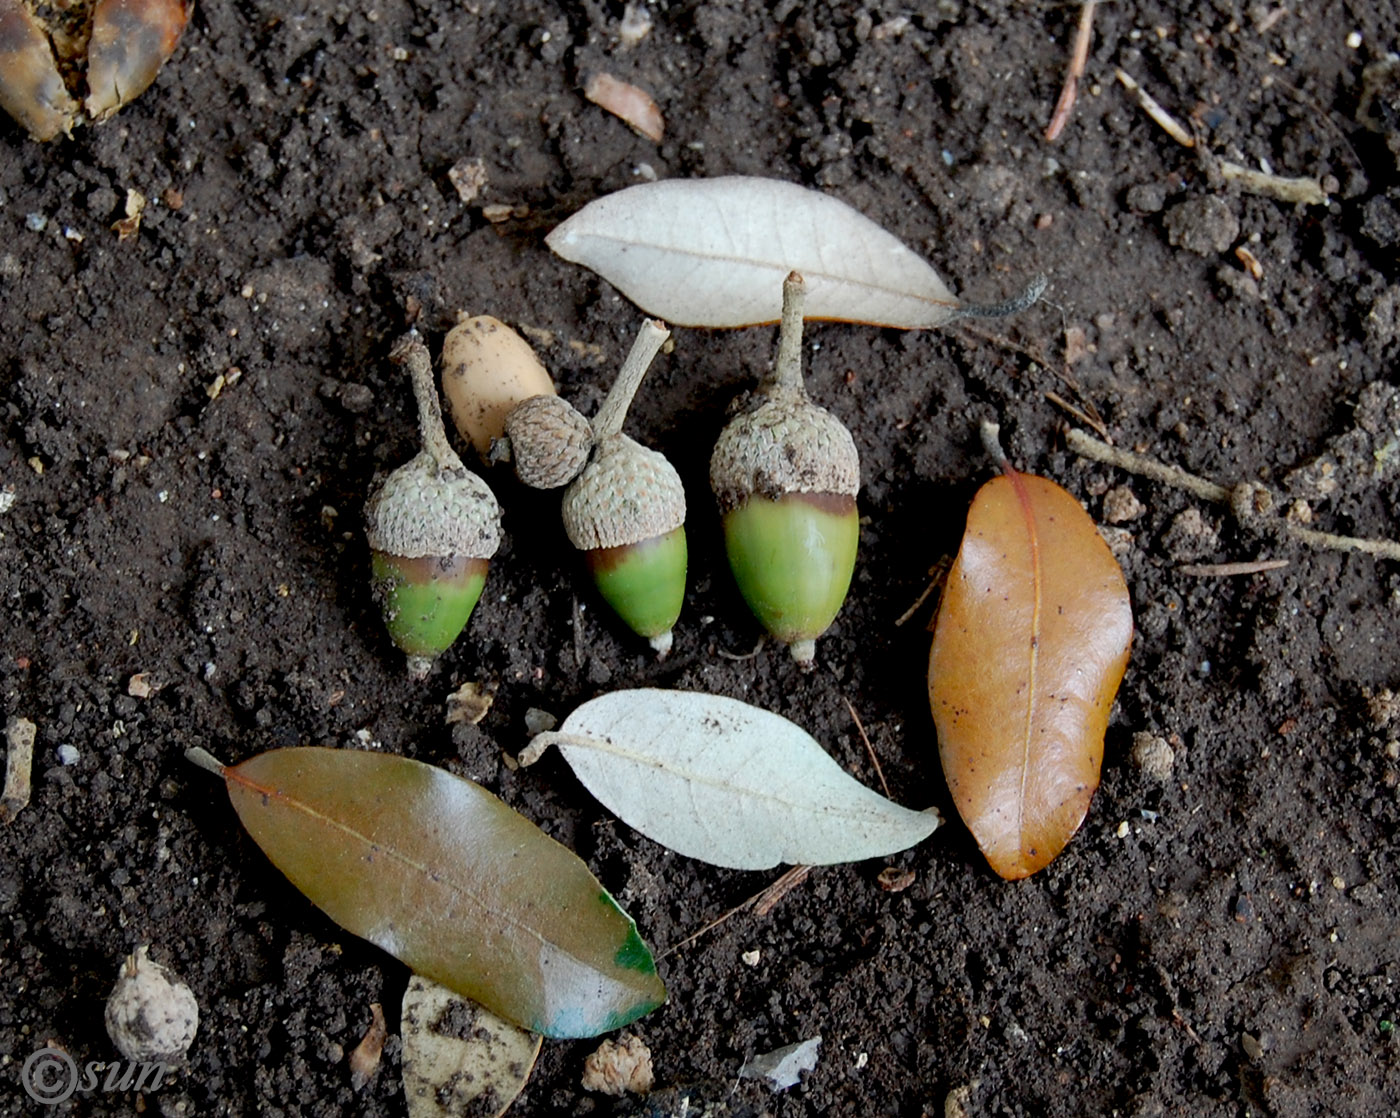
point(1221, 943)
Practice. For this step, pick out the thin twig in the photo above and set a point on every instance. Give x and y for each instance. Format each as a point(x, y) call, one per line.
point(937, 573)
point(1083, 417)
point(1078, 59)
point(1150, 106)
point(780, 889)
point(1226, 570)
point(1091, 417)
point(1090, 447)
point(870, 749)
point(764, 898)
point(1299, 190)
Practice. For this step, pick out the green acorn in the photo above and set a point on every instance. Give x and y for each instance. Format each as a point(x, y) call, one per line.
point(433, 526)
point(786, 473)
point(626, 511)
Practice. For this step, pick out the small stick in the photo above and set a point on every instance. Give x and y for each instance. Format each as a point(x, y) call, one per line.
point(870, 749)
point(780, 889)
point(1083, 417)
point(1090, 447)
point(1225, 570)
point(1079, 57)
point(1328, 541)
point(937, 574)
point(1302, 190)
point(19, 764)
point(1155, 111)
point(765, 898)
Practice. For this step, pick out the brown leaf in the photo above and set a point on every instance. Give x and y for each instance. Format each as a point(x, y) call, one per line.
point(1029, 648)
point(442, 875)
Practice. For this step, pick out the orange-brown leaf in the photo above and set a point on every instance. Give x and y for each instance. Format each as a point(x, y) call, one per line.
point(1029, 648)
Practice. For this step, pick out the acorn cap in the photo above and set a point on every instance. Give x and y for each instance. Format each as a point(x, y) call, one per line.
point(420, 511)
point(785, 444)
point(625, 495)
point(549, 441)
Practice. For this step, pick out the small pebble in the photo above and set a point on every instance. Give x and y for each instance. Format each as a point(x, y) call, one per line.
point(1205, 226)
point(1120, 504)
point(539, 721)
point(67, 754)
point(751, 957)
point(1153, 756)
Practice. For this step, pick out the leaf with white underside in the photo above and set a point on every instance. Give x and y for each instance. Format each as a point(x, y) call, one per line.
point(716, 779)
point(714, 252)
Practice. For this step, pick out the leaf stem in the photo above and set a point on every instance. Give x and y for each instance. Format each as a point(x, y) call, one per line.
point(410, 350)
point(991, 443)
point(544, 739)
point(1015, 305)
point(787, 370)
point(613, 413)
point(201, 757)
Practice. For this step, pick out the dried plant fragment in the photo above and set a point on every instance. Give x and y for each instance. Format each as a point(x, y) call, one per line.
point(460, 1060)
point(19, 761)
point(628, 103)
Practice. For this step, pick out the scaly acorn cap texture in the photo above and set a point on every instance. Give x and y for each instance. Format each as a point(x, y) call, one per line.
point(783, 444)
point(421, 511)
point(625, 495)
point(550, 441)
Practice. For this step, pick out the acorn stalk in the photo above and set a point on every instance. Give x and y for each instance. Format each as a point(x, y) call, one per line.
point(433, 526)
point(785, 473)
point(626, 511)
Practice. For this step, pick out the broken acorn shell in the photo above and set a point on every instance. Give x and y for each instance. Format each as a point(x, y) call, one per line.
point(150, 1016)
point(487, 369)
point(785, 473)
point(114, 47)
point(626, 512)
point(432, 526)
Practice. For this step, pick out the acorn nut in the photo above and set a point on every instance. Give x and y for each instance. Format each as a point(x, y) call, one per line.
point(626, 511)
point(50, 52)
point(433, 526)
point(487, 369)
point(785, 473)
point(150, 1017)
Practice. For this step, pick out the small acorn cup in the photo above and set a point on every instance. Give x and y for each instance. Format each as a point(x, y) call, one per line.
point(433, 526)
point(785, 473)
point(626, 511)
